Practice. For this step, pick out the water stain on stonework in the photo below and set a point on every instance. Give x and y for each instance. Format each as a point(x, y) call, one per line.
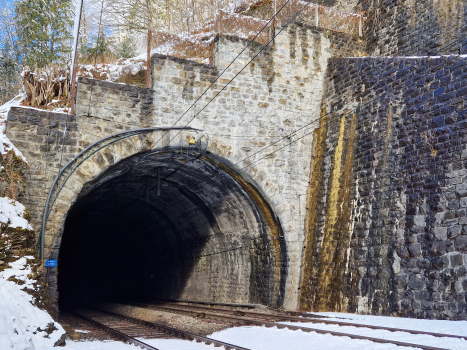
point(336, 240)
point(314, 195)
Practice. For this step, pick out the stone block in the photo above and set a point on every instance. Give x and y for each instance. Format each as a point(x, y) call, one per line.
point(454, 231)
point(461, 243)
point(415, 250)
point(456, 260)
point(416, 282)
point(441, 262)
point(440, 233)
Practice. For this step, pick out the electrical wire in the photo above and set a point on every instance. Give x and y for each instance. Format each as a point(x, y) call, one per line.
point(251, 60)
point(306, 134)
point(314, 121)
point(241, 70)
point(232, 62)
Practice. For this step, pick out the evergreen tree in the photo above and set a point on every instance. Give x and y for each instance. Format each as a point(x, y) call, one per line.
point(10, 82)
point(99, 48)
point(10, 79)
point(44, 30)
point(126, 48)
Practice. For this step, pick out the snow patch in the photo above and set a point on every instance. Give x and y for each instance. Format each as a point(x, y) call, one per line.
point(5, 144)
point(12, 213)
point(113, 71)
point(22, 325)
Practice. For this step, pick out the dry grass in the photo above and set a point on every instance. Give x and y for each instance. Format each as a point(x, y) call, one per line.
point(198, 44)
point(194, 47)
point(328, 18)
point(12, 183)
point(45, 85)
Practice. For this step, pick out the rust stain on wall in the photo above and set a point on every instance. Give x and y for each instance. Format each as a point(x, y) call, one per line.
point(326, 255)
point(314, 193)
point(336, 238)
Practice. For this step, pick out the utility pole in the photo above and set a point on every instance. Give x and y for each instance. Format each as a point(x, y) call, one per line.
point(148, 63)
point(78, 11)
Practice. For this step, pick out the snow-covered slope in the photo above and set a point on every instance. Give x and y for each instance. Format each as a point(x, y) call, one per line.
point(12, 213)
point(22, 325)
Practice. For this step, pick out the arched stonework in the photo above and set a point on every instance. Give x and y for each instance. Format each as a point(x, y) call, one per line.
point(210, 226)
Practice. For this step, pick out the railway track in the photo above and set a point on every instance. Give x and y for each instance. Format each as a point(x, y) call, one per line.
point(127, 329)
point(270, 320)
point(288, 318)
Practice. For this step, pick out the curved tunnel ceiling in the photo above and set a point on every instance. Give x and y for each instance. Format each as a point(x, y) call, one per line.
point(203, 237)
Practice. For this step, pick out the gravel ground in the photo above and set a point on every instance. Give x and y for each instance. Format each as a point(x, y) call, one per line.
point(197, 325)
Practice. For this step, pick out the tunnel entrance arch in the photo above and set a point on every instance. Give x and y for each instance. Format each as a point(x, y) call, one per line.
point(163, 222)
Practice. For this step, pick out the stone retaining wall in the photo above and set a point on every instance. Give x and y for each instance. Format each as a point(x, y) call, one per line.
point(387, 206)
point(39, 136)
point(416, 27)
point(276, 94)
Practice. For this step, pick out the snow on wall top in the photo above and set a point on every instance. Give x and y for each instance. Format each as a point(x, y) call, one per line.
point(5, 143)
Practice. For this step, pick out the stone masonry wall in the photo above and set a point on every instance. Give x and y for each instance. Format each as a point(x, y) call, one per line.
point(415, 27)
point(276, 94)
point(39, 136)
point(387, 208)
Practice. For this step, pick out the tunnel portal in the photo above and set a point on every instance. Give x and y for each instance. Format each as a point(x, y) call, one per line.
point(174, 225)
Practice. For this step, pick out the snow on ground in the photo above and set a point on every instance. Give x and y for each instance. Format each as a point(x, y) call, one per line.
point(12, 213)
point(262, 338)
point(5, 143)
point(113, 71)
point(445, 343)
point(434, 326)
point(22, 325)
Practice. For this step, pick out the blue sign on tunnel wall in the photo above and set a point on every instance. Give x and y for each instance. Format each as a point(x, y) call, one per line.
point(51, 263)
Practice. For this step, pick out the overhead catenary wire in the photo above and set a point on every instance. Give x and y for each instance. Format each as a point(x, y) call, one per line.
point(306, 134)
point(212, 84)
point(242, 69)
point(251, 60)
point(378, 81)
point(249, 43)
point(288, 136)
point(301, 128)
point(230, 64)
point(282, 138)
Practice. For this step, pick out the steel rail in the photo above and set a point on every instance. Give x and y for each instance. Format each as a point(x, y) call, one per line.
point(281, 326)
point(242, 305)
point(175, 332)
point(314, 319)
point(113, 332)
point(112, 139)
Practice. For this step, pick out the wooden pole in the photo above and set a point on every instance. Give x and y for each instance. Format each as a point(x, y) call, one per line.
point(73, 86)
point(79, 9)
point(148, 64)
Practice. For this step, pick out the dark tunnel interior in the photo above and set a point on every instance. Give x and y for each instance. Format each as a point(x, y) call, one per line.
point(168, 225)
